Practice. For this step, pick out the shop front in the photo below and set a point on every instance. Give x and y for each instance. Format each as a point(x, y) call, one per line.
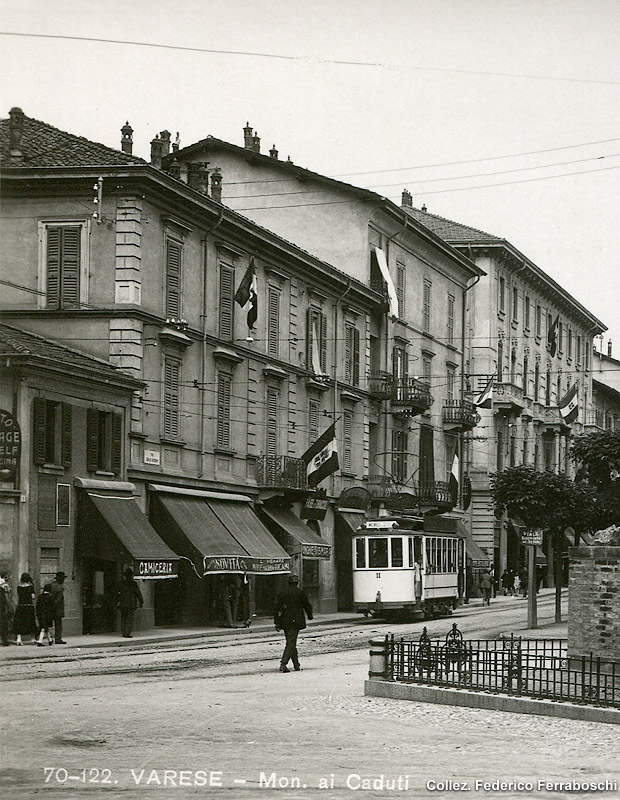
point(228, 557)
point(348, 521)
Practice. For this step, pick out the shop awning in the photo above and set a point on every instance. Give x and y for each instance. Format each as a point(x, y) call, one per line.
point(130, 536)
point(352, 519)
point(298, 534)
point(217, 535)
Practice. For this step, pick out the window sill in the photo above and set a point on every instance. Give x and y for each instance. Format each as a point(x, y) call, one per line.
point(103, 473)
point(55, 468)
point(176, 442)
point(224, 451)
point(348, 474)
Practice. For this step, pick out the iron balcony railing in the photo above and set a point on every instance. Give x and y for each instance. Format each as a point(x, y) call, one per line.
point(410, 396)
point(460, 413)
point(281, 472)
point(537, 668)
point(434, 493)
point(381, 487)
point(380, 384)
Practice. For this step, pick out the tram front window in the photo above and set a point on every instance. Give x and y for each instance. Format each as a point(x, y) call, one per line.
point(397, 552)
point(377, 553)
point(360, 553)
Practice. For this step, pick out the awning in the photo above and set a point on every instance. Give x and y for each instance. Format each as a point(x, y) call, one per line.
point(132, 538)
point(352, 519)
point(218, 535)
point(297, 532)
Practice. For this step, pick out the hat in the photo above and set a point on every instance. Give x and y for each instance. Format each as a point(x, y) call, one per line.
point(128, 573)
point(293, 578)
point(60, 575)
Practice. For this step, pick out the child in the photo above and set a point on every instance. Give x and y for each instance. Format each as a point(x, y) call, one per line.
point(45, 615)
point(517, 586)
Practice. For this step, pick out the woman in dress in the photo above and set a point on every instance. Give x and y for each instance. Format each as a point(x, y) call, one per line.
point(25, 623)
point(45, 615)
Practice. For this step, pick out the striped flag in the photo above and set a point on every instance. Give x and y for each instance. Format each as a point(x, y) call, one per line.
point(485, 397)
point(454, 480)
point(552, 336)
point(321, 458)
point(247, 291)
point(569, 405)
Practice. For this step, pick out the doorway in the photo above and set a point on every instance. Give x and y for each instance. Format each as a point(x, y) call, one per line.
point(99, 596)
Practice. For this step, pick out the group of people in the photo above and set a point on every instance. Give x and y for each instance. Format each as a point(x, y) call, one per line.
point(32, 616)
point(514, 583)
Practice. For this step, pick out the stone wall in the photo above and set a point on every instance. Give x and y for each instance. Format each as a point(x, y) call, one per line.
point(594, 602)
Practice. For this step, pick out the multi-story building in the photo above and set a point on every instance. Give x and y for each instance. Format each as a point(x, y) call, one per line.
point(605, 414)
point(535, 342)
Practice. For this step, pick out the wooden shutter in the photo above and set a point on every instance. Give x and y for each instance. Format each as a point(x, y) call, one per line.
point(450, 319)
point(39, 408)
point(273, 325)
point(311, 316)
point(46, 503)
point(53, 267)
point(347, 426)
point(323, 342)
point(173, 279)
point(70, 266)
point(356, 357)
point(227, 277)
point(348, 353)
point(427, 456)
point(400, 288)
point(313, 421)
point(92, 440)
point(67, 439)
point(426, 319)
point(116, 450)
point(223, 410)
point(171, 399)
point(272, 422)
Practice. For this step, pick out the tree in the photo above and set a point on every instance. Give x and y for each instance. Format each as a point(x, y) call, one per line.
point(543, 500)
point(598, 457)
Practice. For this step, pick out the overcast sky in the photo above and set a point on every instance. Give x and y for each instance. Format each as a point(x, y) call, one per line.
point(377, 92)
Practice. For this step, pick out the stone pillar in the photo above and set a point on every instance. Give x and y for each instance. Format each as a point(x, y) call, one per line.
point(594, 602)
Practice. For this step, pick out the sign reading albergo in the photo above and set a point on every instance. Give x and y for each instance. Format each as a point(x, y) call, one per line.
point(10, 446)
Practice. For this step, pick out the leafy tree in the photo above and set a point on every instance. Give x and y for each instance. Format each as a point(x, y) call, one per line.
point(543, 500)
point(598, 457)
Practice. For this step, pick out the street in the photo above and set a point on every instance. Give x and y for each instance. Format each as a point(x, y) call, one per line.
point(215, 717)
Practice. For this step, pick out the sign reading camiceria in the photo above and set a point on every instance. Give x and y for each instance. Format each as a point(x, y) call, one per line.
point(149, 568)
point(10, 446)
point(246, 564)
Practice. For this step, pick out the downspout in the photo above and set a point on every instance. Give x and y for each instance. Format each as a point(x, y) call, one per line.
point(203, 355)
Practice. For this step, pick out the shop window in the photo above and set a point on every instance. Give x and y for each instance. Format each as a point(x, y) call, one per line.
point(310, 570)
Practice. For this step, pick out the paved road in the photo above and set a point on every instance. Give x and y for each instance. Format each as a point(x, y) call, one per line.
point(166, 722)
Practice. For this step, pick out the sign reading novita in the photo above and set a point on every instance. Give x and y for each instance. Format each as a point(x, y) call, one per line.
point(246, 564)
point(10, 446)
point(155, 568)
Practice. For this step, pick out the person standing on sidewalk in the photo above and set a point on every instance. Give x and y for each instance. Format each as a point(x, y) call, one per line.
point(129, 598)
point(486, 584)
point(6, 609)
point(25, 623)
point(45, 615)
point(57, 589)
point(292, 605)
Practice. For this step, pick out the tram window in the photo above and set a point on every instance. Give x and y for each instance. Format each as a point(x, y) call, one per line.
point(360, 552)
point(431, 555)
point(411, 556)
point(377, 553)
point(397, 551)
point(444, 555)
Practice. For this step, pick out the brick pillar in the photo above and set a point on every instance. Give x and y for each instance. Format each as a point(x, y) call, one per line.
point(594, 602)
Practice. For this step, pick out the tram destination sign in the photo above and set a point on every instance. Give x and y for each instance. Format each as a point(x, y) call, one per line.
point(532, 536)
point(10, 446)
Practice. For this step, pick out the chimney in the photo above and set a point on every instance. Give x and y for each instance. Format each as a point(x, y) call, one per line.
point(273, 152)
point(16, 131)
point(165, 142)
point(609, 348)
point(175, 169)
point(407, 200)
point(256, 143)
point(177, 143)
point(203, 178)
point(127, 138)
point(248, 137)
point(156, 149)
point(216, 185)
point(424, 208)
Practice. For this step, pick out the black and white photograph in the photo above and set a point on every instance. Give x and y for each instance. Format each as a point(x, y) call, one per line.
point(310, 399)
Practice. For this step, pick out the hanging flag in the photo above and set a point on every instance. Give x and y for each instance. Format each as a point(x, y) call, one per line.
point(385, 274)
point(247, 292)
point(485, 397)
point(569, 405)
point(321, 458)
point(552, 337)
point(454, 481)
point(316, 355)
point(467, 492)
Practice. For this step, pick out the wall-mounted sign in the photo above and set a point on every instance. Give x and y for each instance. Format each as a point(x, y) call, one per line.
point(152, 457)
point(246, 564)
point(532, 536)
point(315, 507)
point(316, 550)
point(155, 568)
point(10, 446)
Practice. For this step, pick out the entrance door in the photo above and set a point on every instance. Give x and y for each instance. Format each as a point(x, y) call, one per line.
point(166, 599)
point(100, 584)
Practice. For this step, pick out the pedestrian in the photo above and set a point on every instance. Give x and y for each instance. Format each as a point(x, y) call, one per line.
point(244, 601)
point(45, 615)
point(229, 599)
point(292, 605)
point(57, 590)
point(24, 623)
point(129, 598)
point(517, 585)
point(508, 581)
point(524, 577)
point(540, 576)
point(486, 584)
point(6, 609)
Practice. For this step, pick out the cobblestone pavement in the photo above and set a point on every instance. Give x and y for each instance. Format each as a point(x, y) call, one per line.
point(239, 722)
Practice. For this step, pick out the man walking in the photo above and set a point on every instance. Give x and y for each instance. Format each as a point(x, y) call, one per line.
point(292, 605)
point(129, 598)
point(58, 605)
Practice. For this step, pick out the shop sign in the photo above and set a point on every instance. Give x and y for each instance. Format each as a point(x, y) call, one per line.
point(246, 564)
point(315, 507)
point(532, 536)
point(152, 457)
point(316, 550)
point(155, 568)
point(10, 446)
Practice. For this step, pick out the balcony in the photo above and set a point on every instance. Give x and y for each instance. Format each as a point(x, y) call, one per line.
point(460, 415)
point(281, 472)
point(553, 421)
point(435, 493)
point(410, 397)
point(380, 384)
point(381, 488)
point(594, 422)
point(508, 398)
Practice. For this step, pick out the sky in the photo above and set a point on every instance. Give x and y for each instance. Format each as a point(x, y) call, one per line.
point(500, 114)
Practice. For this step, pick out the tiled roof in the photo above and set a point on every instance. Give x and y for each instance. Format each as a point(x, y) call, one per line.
point(449, 230)
point(17, 342)
point(45, 146)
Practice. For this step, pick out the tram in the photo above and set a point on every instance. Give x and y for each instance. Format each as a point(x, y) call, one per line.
point(400, 573)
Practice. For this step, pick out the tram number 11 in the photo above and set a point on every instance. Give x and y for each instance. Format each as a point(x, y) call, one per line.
point(377, 574)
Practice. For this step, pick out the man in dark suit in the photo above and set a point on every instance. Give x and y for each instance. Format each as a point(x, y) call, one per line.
point(292, 605)
point(58, 605)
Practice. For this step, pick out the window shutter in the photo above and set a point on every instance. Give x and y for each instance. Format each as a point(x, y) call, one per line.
point(173, 279)
point(92, 440)
point(66, 441)
point(46, 503)
point(426, 320)
point(348, 354)
point(356, 357)
point(348, 440)
point(314, 411)
point(427, 456)
point(223, 410)
point(53, 267)
point(400, 288)
point(323, 343)
point(70, 267)
point(117, 444)
point(272, 422)
point(310, 318)
point(171, 399)
point(227, 276)
point(39, 406)
point(450, 319)
point(273, 326)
